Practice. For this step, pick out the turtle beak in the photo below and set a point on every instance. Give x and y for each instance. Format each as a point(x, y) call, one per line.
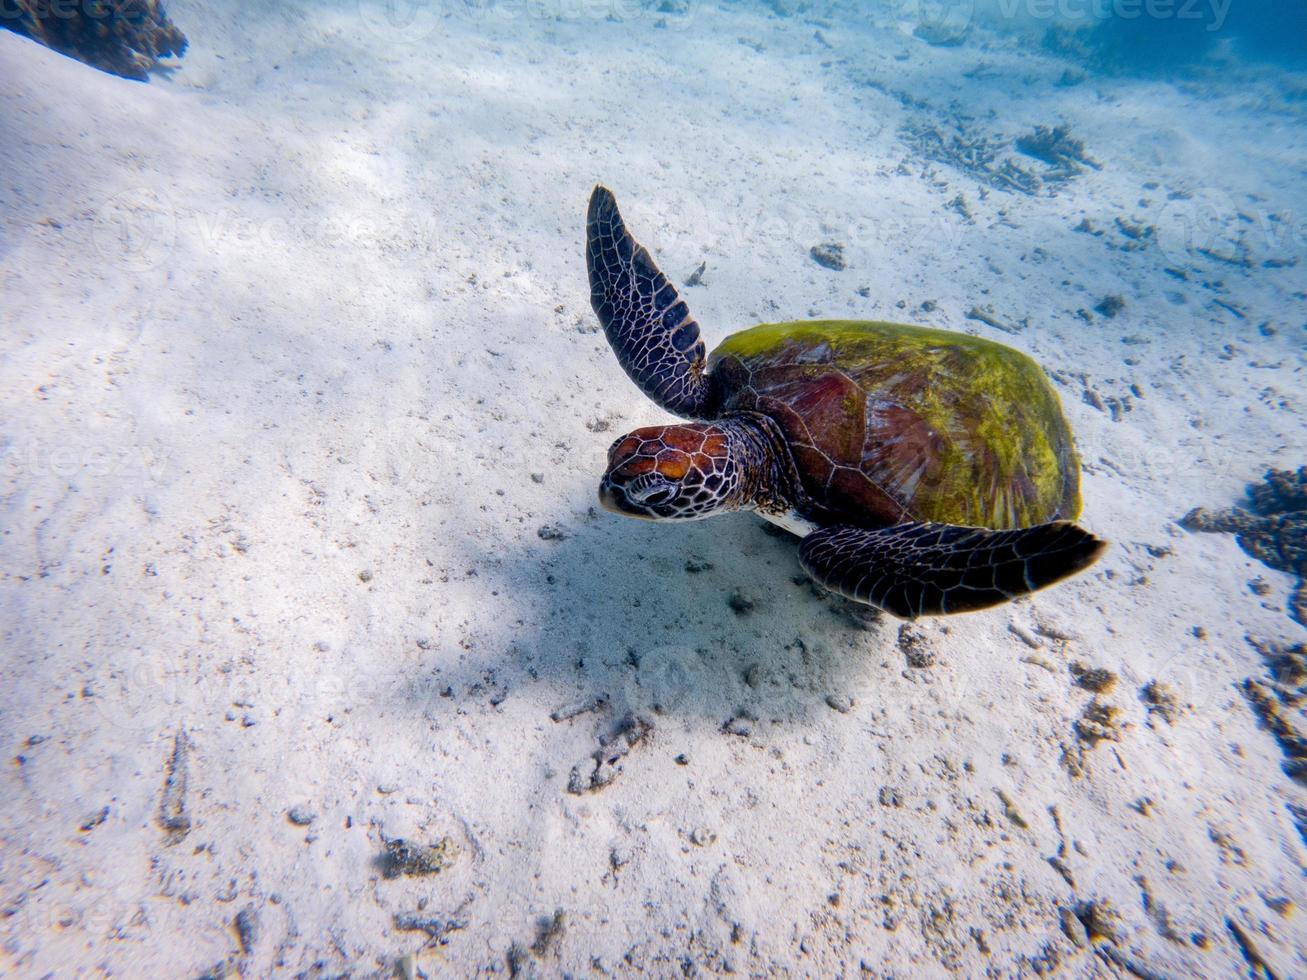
point(615, 500)
point(608, 497)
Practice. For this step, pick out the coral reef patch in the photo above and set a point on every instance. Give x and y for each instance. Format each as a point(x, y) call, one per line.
point(122, 37)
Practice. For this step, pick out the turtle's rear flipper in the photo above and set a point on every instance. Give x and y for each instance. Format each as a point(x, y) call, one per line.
point(647, 323)
point(917, 569)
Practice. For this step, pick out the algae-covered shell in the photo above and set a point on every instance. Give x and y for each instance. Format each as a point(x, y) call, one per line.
point(890, 423)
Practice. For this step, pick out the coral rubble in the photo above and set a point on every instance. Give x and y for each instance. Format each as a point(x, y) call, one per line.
point(1274, 531)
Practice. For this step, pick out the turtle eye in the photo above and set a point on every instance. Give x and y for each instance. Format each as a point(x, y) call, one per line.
point(650, 490)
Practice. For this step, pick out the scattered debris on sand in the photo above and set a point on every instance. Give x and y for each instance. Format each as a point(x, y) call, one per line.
point(550, 930)
point(1011, 812)
point(1274, 530)
point(983, 157)
point(605, 763)
point(1281, 702)
point(246, 925)
point(1097, 679)
point(986, 316)
point(829, 255)
point(1109, 306)
point(436, 927)
point(1056, 147)
point(915, 644)
point(1098, 723)
point(1161, 700)
point(405, 858)
point(570, 711)
point(173, 817)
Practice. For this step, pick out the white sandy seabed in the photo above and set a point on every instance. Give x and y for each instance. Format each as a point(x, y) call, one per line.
point(297, 362)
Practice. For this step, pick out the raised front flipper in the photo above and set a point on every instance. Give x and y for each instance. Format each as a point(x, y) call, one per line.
point(918, 569)
point(647, 323)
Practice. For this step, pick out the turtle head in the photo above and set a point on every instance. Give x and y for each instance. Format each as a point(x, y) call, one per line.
point(672, 472)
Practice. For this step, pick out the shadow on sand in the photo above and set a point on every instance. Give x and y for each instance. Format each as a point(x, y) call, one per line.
point(713, 620)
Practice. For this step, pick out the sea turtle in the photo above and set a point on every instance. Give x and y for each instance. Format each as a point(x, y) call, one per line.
point(927, 471)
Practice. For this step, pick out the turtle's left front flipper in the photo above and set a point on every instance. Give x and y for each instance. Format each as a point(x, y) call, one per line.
point(647, 323)
point(921, 569)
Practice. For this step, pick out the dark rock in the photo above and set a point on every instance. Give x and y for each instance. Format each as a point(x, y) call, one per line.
point(402, 857)
point(94, 820)
point(829, 255)
point(247, 928)
point(1110, 306)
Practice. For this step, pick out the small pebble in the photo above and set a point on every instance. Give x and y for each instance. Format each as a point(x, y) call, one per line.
point(1073, 927)
point(551, 532)
point(738, 726)
point(889, 796)
point(301, 816)
point(702, 836)
point(537, 478)
point(840, 702)
point(829, 255)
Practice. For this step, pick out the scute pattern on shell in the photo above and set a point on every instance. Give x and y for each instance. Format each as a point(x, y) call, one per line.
point(891, 423)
